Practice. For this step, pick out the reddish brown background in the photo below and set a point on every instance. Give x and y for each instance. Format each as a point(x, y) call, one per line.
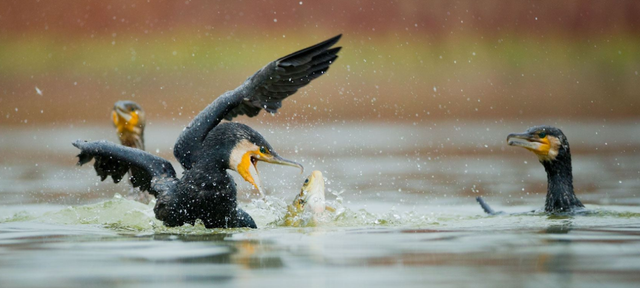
point(486, 59)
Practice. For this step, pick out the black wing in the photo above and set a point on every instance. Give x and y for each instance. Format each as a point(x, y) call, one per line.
point(264, 90)
point(149, 172)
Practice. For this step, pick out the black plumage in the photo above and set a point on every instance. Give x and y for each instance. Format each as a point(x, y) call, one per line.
point(263, 90)
point(553, 151)
point(560, 194)
point(207, 149)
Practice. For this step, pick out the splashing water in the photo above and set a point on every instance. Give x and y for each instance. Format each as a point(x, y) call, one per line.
point(124, 215)
point(128, 216)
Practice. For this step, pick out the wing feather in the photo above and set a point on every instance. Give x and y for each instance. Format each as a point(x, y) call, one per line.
point(149, 172)
point(266, 89)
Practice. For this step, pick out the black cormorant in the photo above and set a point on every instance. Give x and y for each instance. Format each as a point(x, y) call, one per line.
point(206, 148)
point(552, 148)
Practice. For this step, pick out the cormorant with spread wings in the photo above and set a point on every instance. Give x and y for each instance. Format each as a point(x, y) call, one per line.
point(207, 148)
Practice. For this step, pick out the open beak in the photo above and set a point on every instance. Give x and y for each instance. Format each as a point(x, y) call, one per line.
point(250, 172)
point(529, 142)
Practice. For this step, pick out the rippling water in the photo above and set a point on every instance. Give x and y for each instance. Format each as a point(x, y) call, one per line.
point(407, 213)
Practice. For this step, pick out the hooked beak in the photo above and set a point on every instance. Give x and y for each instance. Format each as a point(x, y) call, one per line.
point(529, 142)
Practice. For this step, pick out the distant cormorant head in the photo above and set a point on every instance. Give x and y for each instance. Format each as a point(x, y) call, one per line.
point(247, 147)
point(547, 142)
point(129, 119)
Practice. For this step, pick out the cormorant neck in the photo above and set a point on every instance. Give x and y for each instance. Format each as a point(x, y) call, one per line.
point(132, 139)
point(560, 195)
point(142, 140)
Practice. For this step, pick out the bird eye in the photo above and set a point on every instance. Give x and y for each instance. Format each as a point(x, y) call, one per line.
point(306, 181)
point(263, 150)
point(132, 109)
point(542, 134)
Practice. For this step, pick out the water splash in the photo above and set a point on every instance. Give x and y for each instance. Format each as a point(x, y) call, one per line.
point(130, 217)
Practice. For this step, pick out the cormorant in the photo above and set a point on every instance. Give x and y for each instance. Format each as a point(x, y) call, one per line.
point(206, 148)
point(129, 120)
point(552, 148)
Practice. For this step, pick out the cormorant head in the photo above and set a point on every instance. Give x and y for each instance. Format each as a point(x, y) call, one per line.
point(129, 119)
point(249, 147)
point(546, 142)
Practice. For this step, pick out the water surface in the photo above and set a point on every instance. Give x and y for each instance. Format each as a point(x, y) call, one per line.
point(408, 218)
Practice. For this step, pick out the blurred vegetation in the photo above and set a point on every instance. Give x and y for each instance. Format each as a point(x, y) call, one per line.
point(410, 61)
point(211, 52)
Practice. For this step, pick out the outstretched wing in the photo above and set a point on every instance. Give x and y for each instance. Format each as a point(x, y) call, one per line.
point(264, 90)
point(273, 83)
point(149, 172)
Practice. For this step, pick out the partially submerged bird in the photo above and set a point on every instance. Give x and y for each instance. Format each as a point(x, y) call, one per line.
point(552, 148)
point(129, 120)
point(309, 201)
point(206, 148)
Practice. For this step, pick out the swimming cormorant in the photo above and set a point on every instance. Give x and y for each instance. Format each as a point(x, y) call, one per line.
point(129, 120)
point(206, 148)
point(552, 148)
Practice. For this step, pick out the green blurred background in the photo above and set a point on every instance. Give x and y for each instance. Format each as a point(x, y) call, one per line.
point(412, 61)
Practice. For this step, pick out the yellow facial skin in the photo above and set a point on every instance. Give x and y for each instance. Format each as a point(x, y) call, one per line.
point(245, 154)
point(250, 158)
point(126, 125)
point(543, 147)
point(129, 120)
point(546, 148)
